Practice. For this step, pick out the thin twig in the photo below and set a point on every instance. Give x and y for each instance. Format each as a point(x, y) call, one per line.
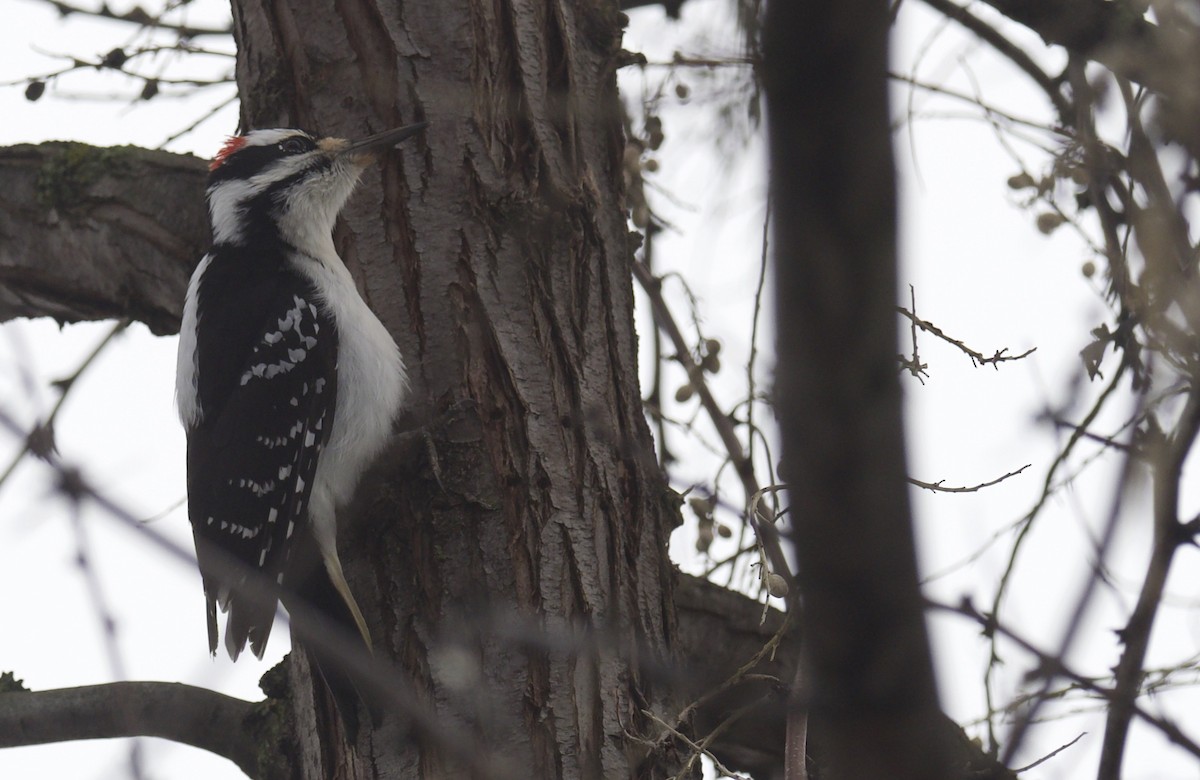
point(200, 120)
point(139, 17)
point(1050, 755)
point(1109, 442)
point(987, 108)
point(754, 320)
point(41, 439)
point(914, 365)
point(701, 750)
point(939, 486)
point(977, 358)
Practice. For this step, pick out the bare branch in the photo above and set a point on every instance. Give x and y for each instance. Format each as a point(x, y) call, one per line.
point(987, 109)
point(1167, 538)
point(139, 16)
point(1107, 441)
point(40, 440)
point(762, 522)
point(939, 486)
point(914, 365)
point(977, 358)
point(1054, 665)
point(1113, 33)
point(697, 748)
point(1051, 754)
point(136, 217)
point(1014, 53)
point(193, 716)
point(1025, 525)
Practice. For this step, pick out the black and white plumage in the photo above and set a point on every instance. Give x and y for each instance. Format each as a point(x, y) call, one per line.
point(287, 383)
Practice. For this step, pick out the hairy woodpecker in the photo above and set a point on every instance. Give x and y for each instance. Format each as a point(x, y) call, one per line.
point(287, 383)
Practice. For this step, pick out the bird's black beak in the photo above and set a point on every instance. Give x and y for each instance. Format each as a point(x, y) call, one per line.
point(384, 140)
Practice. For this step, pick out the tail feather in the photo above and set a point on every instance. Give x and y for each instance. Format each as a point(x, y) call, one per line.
point(248, 621)
point(211, 618)
point(317, 581)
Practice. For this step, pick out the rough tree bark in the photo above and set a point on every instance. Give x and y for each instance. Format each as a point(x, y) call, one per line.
point(495, 249)
point(90, 233)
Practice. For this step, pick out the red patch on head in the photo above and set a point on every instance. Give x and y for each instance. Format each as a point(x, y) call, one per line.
point(232, 144)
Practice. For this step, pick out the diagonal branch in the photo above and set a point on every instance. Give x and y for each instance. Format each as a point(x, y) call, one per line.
point(1172, 452)
point(1014, 53)
point(760, 520)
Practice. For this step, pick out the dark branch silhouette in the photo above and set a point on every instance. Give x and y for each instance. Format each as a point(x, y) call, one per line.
point(193, 716)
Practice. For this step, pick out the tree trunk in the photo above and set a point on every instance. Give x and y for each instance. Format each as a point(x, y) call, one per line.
point(518, 574)
point(867, 673)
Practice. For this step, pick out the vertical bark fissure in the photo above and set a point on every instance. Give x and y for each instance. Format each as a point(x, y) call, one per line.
point(375, 56)
point(291, 54)
point(404, 254)
point(529, 25)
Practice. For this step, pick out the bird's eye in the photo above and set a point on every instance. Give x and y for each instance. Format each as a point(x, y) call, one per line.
point(294, 145)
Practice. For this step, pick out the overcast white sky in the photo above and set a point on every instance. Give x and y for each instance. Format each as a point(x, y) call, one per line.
point(980, 269)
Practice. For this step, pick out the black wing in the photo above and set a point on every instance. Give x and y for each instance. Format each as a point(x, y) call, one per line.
point(266, 363)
